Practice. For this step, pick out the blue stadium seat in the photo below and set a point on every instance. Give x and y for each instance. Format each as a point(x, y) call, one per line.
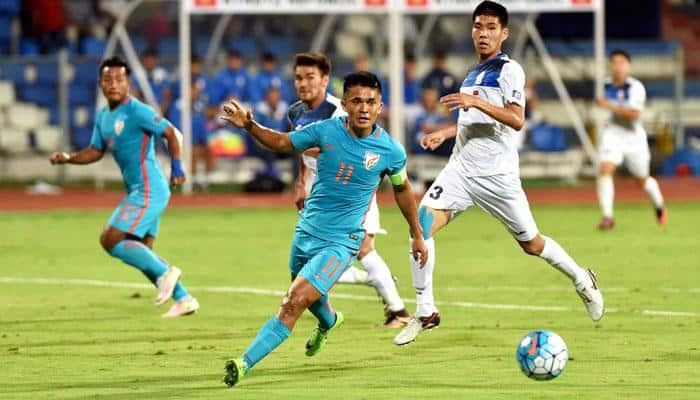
point(9, 7)
point(140, 44)
point(81, 116)
point(687, 157)
point(244, 44)
point(42, 94)
point(29, 47)
point(549, 138)
point(13, 71)
point(280, 45)
point(86, 72)
point(5, 28)
point(169, 46)
point(54, 114)
point(4, 46)
point(201, 44)
point(47, 72)
point(93, 47)
point(81, 138)
point(79, 93)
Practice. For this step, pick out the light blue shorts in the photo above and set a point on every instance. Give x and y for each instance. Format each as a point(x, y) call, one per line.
point(319, 261)
point(138, 215)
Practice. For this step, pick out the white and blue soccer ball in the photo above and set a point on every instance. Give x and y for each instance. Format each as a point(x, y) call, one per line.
point(542, 355)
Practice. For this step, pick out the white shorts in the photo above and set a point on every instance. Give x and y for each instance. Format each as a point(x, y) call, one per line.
point(371, 225)
point(618, 146)
point(502, 196)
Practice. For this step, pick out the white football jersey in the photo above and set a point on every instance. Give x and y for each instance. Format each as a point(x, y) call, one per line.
point(631, 94)
point(484, 146)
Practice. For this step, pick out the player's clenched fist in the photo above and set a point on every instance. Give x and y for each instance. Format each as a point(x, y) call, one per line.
point(237, 115)
point(59, 157)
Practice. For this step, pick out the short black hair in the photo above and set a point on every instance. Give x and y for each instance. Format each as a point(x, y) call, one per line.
point(318, 60)
point(150, 52)
point(115, 61)
point(362, 78)
point(493, 9)
point(620, 52)
point(268, 57)
point(232, 52)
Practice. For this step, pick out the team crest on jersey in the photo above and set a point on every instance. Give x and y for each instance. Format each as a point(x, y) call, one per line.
point(371, 159)
point(119, 126)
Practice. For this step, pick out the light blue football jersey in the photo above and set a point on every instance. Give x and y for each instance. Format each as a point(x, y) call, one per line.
point(349, 172)
point(129, 130)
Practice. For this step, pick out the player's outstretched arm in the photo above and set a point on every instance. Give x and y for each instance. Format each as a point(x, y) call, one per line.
point(625, 112)
point(433, 140)
point(174, 139)
point(85, 156)
point(403, 194)
point(511, 114)
point(270, 138)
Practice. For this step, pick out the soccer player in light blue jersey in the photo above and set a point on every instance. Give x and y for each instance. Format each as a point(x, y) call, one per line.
point(355, 154)
point(129, 128)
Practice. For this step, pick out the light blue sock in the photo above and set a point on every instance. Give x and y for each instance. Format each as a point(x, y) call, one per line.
point(322, 310)
point(179, 291)
point(271, 335)
point(139, 256)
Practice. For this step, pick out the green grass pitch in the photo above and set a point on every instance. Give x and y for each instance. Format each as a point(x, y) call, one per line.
point(65, 335)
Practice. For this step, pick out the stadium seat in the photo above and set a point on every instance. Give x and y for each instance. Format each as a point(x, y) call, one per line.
point(86, 72)
point(47, 138)
point(5, 29)
point(14, 140)
point(42, 94)
point(13, 71)
point(245, 45)
point(47, 72)
point(81, 138)
point(29, 47)
point(93, 47)
point(169, 46)
point(686, 157)
point(9, 7)
point(82, 117)
point(79, 93)
point(140, 44)
point(547, 138)
point(7, 93)
point(25, 116)
point(280, 45)
point(201, 44)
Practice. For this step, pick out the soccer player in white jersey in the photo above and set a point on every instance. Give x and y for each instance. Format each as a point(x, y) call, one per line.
point(311, 77)
point(624, 139)
point(484, 169)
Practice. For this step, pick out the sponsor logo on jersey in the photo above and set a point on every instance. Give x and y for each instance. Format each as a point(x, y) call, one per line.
point(118, 126)
point(371, 159)
point(517, 95)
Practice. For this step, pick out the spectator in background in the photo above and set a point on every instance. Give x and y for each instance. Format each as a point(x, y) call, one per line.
point(433, 117)
point(271, 112)
point(159, 79)
point(45, 20)
point(439, 78)
point(198, 78)
point(200, 133)
point(268, 77)
point(411, 88)
point(232, 81)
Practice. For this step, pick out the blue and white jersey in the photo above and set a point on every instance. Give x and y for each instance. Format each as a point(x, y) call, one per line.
point(300, 116)
point(631, 94)
point(484, 146)
point(349, 171)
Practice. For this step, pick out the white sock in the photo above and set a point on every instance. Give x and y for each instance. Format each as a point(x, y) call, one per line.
point(380, 277)
point(353, 275)
point(652, 189)
point(558, 258)
point(606, 194)
point(423, 281)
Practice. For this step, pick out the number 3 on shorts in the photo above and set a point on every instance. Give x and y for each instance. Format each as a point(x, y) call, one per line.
point(437, 191)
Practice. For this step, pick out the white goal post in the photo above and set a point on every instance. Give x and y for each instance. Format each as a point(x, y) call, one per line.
point(395, 10)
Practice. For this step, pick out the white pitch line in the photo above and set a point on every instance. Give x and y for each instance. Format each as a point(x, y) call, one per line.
point(273, 292)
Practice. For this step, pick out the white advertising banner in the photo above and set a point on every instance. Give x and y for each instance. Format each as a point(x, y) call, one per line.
point(379, 6)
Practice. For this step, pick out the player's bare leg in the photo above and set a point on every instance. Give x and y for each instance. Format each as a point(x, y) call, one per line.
point(583, 279)
point(651, 187)
point(379, 276)
point(427, 315)
point(606, 194)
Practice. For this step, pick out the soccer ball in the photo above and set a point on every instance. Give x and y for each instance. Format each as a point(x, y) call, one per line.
point(542, 355)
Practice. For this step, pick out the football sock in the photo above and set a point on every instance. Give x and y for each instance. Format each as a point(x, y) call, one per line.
point(271, 335)
point(558, 258)
point(139, 256)
point(321, 309)
point(606, 194)
point(652, 189)
point(179, 292)
point(423, 281)
point(353, 275)
point(379, 276)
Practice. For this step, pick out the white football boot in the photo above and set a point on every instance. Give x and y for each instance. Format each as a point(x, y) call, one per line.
point(166, 284)
point(185, 306)
point(592, 298)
